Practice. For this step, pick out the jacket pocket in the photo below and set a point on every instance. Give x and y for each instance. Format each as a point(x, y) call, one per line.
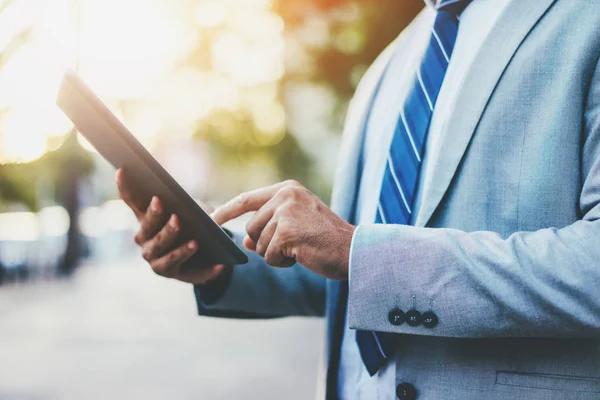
point(548, 381)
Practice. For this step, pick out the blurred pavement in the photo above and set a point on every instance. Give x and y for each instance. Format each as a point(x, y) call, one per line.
point(120, 332)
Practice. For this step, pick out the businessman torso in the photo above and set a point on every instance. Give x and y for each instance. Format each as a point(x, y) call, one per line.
point(513, 197)
point(508, 159)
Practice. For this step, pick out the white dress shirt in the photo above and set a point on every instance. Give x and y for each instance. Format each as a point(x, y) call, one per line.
point(475, 23)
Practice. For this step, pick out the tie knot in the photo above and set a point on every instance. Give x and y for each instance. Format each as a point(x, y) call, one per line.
point(453, 6)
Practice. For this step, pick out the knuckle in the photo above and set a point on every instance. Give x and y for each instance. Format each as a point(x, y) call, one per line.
point(242, 199)
point(158, 268)
point(147, 253)
point(172, 257)
point(177, 256)
point(139, 238)
point(292, 182)
point(288, 192)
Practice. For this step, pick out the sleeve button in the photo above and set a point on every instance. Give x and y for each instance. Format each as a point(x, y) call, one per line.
point(430, 320)
point(413, 318)
point(406, 391)
point(397, 317)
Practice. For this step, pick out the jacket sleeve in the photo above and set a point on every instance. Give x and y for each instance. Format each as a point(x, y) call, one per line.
point(257, 290)
point(542, 284)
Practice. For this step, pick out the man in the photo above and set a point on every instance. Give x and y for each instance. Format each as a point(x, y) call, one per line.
point(460, 256)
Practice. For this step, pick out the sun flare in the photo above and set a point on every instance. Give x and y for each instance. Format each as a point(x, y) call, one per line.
point(133, 51)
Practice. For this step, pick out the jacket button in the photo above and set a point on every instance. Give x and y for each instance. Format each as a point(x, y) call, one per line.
point(406, 391)
point(397, 317)
point(413, 318)
point(430, 320)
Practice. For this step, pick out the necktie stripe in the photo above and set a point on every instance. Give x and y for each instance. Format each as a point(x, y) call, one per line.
point(403, 162)
point(406, 175)
point(421, 114)
point(432, 79)
point(410, 137)
point(439, 42)
point(417, 116)
point(446, 30)
point(437, 63)
point(389, 205)
point(392, 170)
point(380, 214)
point(424, 89)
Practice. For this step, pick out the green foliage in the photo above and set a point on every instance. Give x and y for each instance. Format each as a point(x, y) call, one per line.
point(19, 182)
point(357, 32)
point(17, 185)
point(372, 24)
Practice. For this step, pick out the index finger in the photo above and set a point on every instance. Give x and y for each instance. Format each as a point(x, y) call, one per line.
point(245, 202)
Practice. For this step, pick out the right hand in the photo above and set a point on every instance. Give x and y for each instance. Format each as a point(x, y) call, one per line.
point(157, 235)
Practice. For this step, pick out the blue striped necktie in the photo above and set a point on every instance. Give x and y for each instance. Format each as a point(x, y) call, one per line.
point(406, 152)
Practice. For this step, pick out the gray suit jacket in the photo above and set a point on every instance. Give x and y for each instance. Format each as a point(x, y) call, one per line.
point(506, 247)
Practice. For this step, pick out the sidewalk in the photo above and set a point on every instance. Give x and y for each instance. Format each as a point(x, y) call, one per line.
point(120, 332)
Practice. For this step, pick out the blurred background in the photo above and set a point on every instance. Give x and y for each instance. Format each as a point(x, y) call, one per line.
point(229, 95)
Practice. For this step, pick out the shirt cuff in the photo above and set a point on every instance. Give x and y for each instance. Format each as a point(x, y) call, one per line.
point(352, 245)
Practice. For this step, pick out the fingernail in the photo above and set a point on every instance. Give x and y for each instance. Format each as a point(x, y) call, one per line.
point(192, 245)
point(173, 222)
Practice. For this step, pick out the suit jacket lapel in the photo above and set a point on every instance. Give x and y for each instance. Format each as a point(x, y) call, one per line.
point(342, 203)
point(505, 38)
point(347, 172)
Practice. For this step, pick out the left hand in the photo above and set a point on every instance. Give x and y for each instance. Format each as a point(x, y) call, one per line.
point(293, 225)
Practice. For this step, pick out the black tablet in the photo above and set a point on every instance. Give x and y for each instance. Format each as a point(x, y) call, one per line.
point(117, 145)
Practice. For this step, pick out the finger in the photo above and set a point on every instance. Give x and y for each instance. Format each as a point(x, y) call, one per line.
point(274, 255)
point(162, 242)
point(206, 207)
point(257, 223)
point(169, 265)
point(265, 238)
point(246, 202)
point(249, 243)
point(127, 195)
point(151, 222)
point(275, 258)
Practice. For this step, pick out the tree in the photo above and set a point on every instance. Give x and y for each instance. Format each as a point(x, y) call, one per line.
point(63, 168)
